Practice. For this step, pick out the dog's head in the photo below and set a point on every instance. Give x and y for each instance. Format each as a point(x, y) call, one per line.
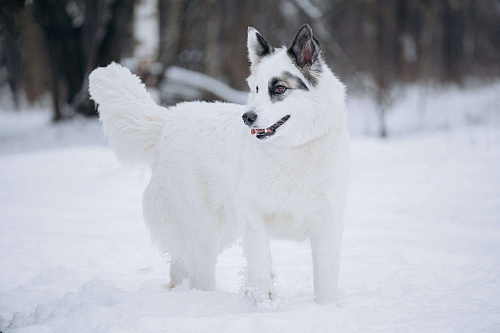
point(294, 97)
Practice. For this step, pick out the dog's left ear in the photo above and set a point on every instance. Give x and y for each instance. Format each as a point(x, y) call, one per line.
point(257, 46)
point(305, 50)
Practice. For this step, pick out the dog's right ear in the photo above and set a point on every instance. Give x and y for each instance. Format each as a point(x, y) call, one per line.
point(257, 46)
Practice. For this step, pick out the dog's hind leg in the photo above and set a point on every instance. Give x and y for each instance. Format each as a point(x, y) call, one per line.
point(202, 269)
point(177, 272)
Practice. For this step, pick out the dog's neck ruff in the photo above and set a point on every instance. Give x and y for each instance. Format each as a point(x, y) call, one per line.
point(270, 131)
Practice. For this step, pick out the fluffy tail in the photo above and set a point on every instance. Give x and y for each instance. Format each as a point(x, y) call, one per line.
point(131, 119)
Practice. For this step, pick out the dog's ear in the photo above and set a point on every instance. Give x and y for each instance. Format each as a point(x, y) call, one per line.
point(257, 46)
point(305, 50)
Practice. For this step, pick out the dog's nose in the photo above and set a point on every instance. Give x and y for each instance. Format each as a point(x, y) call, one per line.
point(249, 118)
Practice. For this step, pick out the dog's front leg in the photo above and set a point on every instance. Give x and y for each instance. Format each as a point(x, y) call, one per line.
point(326, 244)
point(259, 284)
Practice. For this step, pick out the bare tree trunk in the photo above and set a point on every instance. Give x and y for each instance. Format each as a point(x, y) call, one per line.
point(80, 42)
point(106, 42)
point(57, 114)
point(453, 41)
point(235, 63)
point(382, 106)
point(64, 45)
point(171, 12)
point(211, 58)
point(429, 27)
point(381, 74)
point(10, 55)
point(34, 57)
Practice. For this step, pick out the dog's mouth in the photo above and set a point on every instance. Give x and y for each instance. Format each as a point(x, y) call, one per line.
point(270, 131)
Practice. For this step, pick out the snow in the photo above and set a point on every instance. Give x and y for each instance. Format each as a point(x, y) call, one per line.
point(428, 107)
point(180, 78)
point(421, 246)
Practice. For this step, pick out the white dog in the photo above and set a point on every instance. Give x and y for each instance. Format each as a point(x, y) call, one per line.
point(281, 172)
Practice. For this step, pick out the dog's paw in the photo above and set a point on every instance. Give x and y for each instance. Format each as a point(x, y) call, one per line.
point(264, 299)
point(258, 295)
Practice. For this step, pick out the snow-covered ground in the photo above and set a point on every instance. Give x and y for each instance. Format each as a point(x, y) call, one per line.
point(421, 243)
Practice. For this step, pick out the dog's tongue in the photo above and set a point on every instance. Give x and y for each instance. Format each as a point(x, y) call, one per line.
point(260, 131)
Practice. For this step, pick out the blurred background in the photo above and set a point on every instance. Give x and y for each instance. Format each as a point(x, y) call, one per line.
point(392, 54)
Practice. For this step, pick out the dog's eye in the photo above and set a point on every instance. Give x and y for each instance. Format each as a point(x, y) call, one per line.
point(279, 89)
point(257, 90)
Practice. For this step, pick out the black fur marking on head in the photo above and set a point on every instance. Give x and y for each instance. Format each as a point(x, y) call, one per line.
point(263, 48)
point(289, 81)
point(296, 81)
point(275, 82)
point(305, 53)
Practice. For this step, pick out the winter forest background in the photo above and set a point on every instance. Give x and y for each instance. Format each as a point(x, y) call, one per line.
point(51, 46)
point(421, 244)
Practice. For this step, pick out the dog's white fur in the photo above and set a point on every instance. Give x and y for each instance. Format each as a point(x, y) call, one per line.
point(212, 181)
